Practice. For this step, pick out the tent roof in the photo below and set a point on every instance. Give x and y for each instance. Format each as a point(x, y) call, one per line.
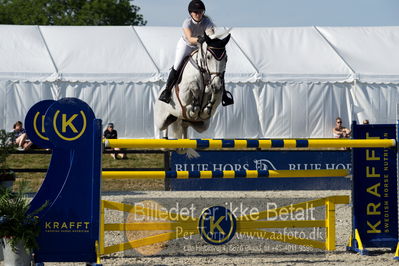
point(281, 54)
point(372, 52)
point(99, 53)
point(145, 54)
point(24, 55)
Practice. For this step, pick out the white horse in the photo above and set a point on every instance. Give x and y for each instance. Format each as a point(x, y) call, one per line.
point(197, 93)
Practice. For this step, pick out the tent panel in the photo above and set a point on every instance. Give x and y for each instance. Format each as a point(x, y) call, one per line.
point(372, 52)
point(287, 54)
point(23, 54)
point(95, 53)
point(376, 102)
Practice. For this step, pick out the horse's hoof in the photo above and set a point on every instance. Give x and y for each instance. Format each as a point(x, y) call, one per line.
point(191, 114)
point(204, 116)
point(207, 111)
point(180, 151)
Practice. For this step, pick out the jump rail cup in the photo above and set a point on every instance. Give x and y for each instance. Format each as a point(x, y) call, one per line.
point(248, 143)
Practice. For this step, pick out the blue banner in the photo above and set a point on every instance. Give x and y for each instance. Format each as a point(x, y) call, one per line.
point(375, 205)
point(70, 222)
point(262, 160)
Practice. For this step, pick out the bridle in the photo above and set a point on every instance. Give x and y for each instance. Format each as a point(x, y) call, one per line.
point(219, 54)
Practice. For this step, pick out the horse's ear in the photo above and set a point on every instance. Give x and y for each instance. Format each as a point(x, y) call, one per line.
point(226, 39)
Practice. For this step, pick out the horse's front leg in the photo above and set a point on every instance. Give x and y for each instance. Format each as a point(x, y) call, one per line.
point(165, 133)
point(190, 153)
point(213, 97)
point(185, 130)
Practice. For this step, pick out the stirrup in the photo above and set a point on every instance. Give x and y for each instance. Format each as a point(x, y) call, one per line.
point(165, 96)
point(227, 98)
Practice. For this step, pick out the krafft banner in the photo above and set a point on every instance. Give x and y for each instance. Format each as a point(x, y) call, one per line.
point(375, 207)
point(70, 222)
point(262, 160)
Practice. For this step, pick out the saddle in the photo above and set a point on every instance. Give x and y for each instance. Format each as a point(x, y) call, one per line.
point(179, 72)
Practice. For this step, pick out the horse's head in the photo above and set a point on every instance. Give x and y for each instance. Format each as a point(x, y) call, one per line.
point(214, 59)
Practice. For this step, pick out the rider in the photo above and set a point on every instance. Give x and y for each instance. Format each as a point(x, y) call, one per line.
point(193, 29)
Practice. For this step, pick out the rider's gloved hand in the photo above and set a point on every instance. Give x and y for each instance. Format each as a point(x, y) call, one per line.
point(200, 39)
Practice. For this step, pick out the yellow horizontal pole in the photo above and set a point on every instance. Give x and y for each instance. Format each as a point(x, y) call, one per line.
point(248, 143)
point(308, 173)
point(140, 210)
point(267, 214)
point(146, 241)
point(140, 242)
point(352, 143)
point(151, 143)
point(245, 225)
point(133, 174)
point(338, 199)
point(151, 226)
point(225, 174)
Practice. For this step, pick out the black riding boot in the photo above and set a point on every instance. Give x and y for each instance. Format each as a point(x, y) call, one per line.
point(227, 97)
point(167, 92)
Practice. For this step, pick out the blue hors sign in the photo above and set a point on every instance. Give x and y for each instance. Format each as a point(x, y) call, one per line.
point(263, 160)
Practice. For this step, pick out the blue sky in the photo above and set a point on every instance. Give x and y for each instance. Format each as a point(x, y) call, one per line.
point(277, 13)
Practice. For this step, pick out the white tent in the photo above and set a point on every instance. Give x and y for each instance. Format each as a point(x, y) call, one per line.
point(287, 82)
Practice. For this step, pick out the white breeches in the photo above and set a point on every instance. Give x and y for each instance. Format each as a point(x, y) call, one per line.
point(182, 50)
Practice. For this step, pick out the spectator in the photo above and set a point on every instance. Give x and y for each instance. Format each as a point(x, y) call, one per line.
point(339, 131)
point(111, 133)
point(21, 138)
point(366, 122)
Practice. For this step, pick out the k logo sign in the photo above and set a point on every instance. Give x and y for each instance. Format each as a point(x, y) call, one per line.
point(66, 122)
point(68, 125)
point(34, 124)
point(217, 225)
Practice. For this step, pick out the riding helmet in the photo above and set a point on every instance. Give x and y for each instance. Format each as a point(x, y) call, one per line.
point(196, 6)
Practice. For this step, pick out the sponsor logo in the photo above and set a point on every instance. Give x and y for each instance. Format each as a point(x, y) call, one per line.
point(217, 225)
point(66, 226)
point(264, 164)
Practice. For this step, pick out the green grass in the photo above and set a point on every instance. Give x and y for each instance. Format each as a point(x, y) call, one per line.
point(34, 180)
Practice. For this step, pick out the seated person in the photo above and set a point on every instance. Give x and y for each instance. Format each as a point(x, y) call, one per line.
point(20, 137)
point(366, 122)
point(339, 131)
point(111, 133)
